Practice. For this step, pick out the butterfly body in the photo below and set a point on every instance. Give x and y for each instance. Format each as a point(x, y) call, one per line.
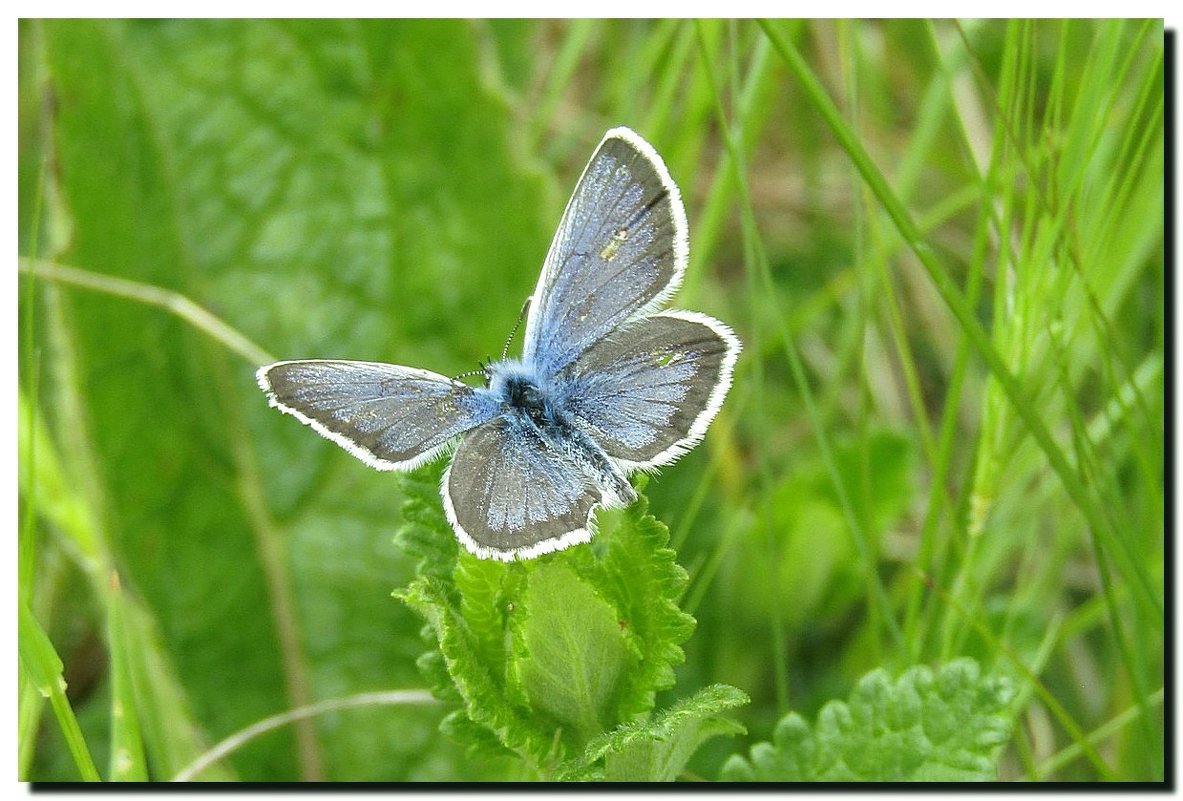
point(520, 388)
point(607, 384)
point(541, 406)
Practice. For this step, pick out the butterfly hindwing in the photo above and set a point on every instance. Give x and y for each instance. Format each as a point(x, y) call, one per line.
point(651, 390)
point(510, 495)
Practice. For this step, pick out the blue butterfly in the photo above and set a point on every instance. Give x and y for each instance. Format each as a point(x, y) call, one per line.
point(607, 384)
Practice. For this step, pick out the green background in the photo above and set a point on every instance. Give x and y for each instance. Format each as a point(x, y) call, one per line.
point(870, 494)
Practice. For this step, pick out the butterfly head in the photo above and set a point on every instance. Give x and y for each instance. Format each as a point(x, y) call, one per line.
point(519, 387)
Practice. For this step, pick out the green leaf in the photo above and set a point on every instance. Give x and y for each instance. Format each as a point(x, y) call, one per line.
point(550, 653)
point(425, 533)
point(484, 692)
point(923, 727)
point(574, 653)
point(658, 749)
point(151, 720)
point(433, 667)
point(820, 576)
point(306, 182)
point(59, 500)
point(639, 576)
point(38, 656)
point(479, 739)
point(172, 737)
point(128, 760)
point(488, 592)
point(42, 664)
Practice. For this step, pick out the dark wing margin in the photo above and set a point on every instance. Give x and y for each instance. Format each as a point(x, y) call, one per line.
point(620, 251)
point(390, 417)
point(510, 496)
point(650, 391)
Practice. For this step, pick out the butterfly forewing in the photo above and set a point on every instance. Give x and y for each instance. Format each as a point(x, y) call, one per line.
point(391, 417)
point(510, 495)
point(651, 390)
point(620, 249)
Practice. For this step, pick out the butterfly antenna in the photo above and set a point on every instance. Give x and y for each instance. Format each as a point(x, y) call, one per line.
point(516, 326)
point(483, 371)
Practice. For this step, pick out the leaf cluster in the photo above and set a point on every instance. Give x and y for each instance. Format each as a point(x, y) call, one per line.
point(558, 659)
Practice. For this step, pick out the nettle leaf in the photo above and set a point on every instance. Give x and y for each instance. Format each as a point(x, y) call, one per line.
point(479, 739)
point(487, 602)
point(657, 750)
point(638, 574)
point(923, 727)
point(574, 652)
point(485, 699)
point(425, 534)
point(551, 653)
point(433, 667)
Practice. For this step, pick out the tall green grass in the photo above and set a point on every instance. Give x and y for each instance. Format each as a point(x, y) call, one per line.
point(941, 243)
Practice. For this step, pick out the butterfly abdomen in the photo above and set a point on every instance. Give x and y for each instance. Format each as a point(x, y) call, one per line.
point(595, 464)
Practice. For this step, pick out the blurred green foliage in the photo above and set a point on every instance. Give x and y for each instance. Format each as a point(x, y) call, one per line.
point(870, 495)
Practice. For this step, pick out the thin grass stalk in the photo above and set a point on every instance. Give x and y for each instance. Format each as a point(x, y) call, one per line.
point(762, 274)
point(1016, 393)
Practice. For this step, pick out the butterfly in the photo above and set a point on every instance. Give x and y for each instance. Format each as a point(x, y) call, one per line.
point(606, 385)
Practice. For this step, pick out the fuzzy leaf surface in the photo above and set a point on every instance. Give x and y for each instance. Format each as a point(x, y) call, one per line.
point(658, 749)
